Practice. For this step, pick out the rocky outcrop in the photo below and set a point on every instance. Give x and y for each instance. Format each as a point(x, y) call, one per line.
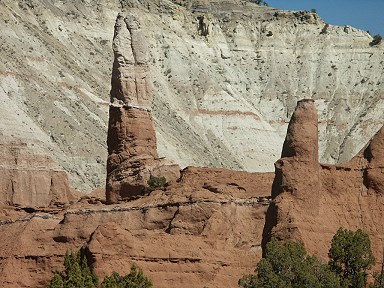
point(31, 180)
point(204, 231)
point(208, 228)
point(374, 154)
point(132, 149)
point(222, 181)
point(225, 84)
point(312, 200)
point(225, 75)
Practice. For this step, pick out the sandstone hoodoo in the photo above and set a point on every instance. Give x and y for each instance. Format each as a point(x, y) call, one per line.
point(225, 75)
point(299, 156)
point(132, 149)
point(312, 200)
point(220, 72)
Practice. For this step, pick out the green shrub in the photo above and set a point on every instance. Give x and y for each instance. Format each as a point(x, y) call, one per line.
point(376, 40)
point(156, 182)
point(77, 274)
point(288, 265)
point(135, 279)
point(260, 2)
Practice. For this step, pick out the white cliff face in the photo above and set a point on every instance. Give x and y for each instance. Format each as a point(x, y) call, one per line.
point(55, 80)
point(237, 86)
point(226, 77)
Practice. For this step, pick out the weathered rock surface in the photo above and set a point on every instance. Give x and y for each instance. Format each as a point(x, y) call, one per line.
point(225, 78)
point(132, 149)
point(311, 200)
point(225, 75)
point(31, 179)
point(187, 235)
point(207, 229)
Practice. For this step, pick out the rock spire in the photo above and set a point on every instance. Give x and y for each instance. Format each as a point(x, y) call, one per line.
point(299, 155)
point(132, 151)
point(310, 201)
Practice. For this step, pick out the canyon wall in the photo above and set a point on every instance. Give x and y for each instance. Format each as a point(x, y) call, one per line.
point(30, 179)
point(209, 227)
point(225, 79)
point(226, 76)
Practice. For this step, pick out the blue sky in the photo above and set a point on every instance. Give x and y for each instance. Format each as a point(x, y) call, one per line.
point(362, 14)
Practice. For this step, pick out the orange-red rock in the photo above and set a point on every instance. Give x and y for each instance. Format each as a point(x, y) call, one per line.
point(132, 154)
point(311, 201)
point(205, 230)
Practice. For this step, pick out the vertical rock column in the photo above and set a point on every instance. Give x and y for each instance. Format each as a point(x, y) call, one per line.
point(297, 186)
point(132, 149)
point(297, 171)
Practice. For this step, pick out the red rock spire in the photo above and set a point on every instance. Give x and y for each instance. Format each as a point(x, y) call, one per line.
point(132, 149)
point(302, 136)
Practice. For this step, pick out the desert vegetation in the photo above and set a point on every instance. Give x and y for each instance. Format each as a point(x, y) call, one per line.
point(156, 183)
point(376, 40)
point(286, 264)
point(260, 2)
point(78, 274)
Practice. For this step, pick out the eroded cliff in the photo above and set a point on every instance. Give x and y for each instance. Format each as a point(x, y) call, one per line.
point(225, 75)
point(30, 179)
point(205, 230)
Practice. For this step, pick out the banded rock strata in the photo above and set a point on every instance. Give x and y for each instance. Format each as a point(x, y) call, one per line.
point(205, 230)
point(31, 180)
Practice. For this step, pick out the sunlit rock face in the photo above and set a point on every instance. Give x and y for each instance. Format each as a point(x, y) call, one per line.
point(226, 76)
point(132, 149)
point(311, 201)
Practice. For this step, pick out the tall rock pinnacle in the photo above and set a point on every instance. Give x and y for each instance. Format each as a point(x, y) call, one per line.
point(299, 156)
point(297, 176)
point(132, 153)
point(130, 75)
point(310, 201)
point(302, 136)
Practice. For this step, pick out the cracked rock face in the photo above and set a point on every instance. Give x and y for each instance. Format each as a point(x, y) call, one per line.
point(132, 149)
point(204, 230)
point(131, 84)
